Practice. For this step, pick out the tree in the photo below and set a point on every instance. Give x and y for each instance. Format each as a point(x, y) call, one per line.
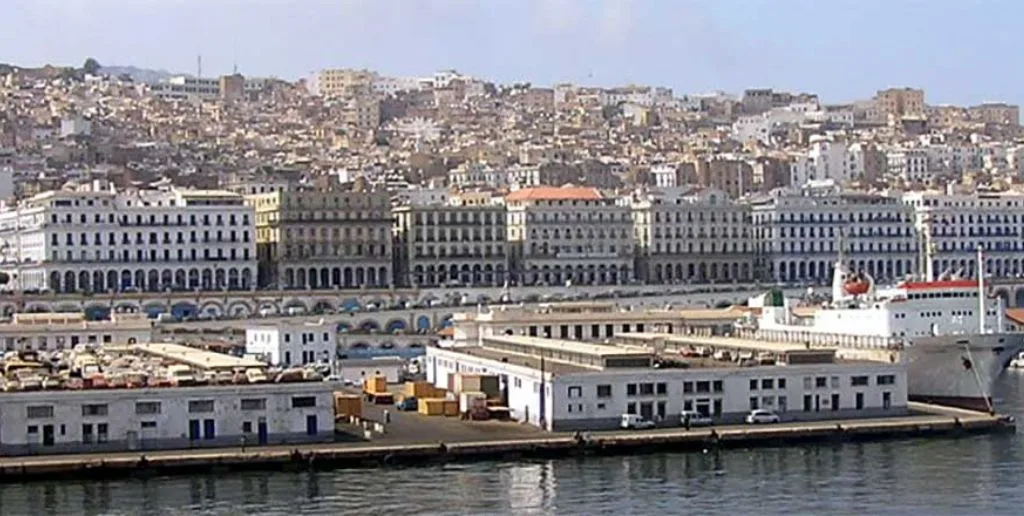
point(91, 66)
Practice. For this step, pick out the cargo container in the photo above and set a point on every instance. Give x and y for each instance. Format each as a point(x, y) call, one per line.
point(375, 385)
point(485, 383)
point(420, 389)
point(451, 407)
point(468, 401)
point(348, 405)
point(431, 407)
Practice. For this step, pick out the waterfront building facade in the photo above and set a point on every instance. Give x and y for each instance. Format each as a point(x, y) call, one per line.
point(107, 420)
point(569, 234)
point(292, 344)
point(691, 235)
point(151, 240)
point(449, 244)
point(323, 239)
point(61, 330)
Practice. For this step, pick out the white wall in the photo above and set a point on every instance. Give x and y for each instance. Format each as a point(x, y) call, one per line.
point(293, 344)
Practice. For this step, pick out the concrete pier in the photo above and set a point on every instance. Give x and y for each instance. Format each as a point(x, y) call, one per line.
point(932, 421)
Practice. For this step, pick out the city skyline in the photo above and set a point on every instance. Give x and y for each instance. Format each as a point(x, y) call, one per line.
point(728, 45)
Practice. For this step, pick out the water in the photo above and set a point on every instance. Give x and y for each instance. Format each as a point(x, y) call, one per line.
point(978, 475)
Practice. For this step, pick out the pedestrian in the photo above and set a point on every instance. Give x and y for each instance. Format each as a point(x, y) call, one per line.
point(387, 416)
point(686, 422)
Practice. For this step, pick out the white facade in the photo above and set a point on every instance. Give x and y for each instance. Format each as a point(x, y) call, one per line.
point(664, 176)
point(797, 235)
point(101, 241)
point(566, 234)
point(911, 164)
point(392, 85)
point(826, 159)
point(288, 344)
point(596, 399)
point(185, 88)
point(90, 421)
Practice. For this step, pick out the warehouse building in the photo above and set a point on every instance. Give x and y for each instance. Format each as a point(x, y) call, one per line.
point(563, 385)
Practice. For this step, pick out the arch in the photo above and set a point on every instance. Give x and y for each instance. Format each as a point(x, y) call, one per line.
point(360, 345)
point(55, 281)
point(8, 310)
point(112, 282)
point(295, 304)
point(184, 310)
point(69, 281)
point(179, 278)
point(371, 276)
point(313, 278)
point(97, 312)
point(344, 327)
point(289, 278)
point(140, 280)
point(395, 325)
point(247, 279)
point(323, 306)
point(153, 280)
point(166, 279)
point(193, 278)
point(152, 310)
point(360, 276)
point(347, 277)
point(351, 305)
point(233, 279)
point(67, 308)
point(1018, 298)
point(423, 322)
point(382, 277)
point(211, 307)
point(1005, 294)
point(84, 281)
point(239, 309)
point(220, 278)
point(268, 308)
point(369, 325)
point(97, 282)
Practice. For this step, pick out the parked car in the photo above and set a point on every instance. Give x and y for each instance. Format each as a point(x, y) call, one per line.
point(636, 422)
point(408, 404)
point(761, 417)
point(695, 418)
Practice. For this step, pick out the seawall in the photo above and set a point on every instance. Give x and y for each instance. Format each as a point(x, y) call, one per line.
point(328, 456)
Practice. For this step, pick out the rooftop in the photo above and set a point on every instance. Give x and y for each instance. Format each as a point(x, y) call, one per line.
point(197, 358)
point(547, 193)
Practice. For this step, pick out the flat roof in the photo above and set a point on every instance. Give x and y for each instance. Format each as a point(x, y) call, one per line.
point(725, 342)
point(570, 346)
point(195, 357)
point(550, 366)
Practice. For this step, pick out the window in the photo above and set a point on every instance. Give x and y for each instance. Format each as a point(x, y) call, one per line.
point(631, 408)
point(886, 379)
point(146, 408)
point(303, 401)
point(753, 384)
point(782, 404)
point(821, 382)
point(782, 383)
point(604, 391)
point(575, 391)
point(717, 386)
point(101, 433)
point(646, 389)
point(148, 424)
point(39, 411)
point(661, 388)
point(687, 387)
point(856, 381)
point(703, 386)
point(835, 382)
point(254, 404)
point(94, 410)
point(753, 403)
point(630, 389)
point(807, 382)
point(768, 383)
point(601, 406)
point(200, 406)
point(87, 437)
point(247, 427)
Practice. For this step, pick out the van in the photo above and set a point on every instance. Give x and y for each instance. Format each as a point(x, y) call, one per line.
point(635, 422)
point(694, 418)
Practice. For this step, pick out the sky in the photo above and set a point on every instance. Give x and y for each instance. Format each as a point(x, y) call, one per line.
point(959, 51)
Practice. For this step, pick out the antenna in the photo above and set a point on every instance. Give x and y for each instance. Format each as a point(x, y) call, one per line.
point(234, 69)
point(199, 66)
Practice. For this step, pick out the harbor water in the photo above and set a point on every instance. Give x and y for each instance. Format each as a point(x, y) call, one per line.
point(975, 475)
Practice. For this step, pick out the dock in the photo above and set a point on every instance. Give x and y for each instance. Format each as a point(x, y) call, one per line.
point(929, 421)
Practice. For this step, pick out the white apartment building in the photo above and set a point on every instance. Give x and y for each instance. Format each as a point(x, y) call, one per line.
point(911, 164)
point(393, 85)
point(476, 174)
point(693, 235)
point(292, 344)
point(798, 235)
point(153, 240)
point(183, 87)
point(106, 420)
point(522, 176)
point(960, 223)
point(569, 234)
point(825, 159)
point(664, 176)
point(448, 244)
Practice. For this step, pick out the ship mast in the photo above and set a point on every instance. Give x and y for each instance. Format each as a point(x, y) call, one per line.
point(981, 291)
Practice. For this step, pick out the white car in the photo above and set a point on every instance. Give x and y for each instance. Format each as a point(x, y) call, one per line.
point(635, 422)
point(694, 418)
point(761, 416)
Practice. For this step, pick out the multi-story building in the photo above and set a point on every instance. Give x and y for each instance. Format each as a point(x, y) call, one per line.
point(449, 243)
point(154, 240)
point(697, 236)
point(900, 102)
point(995, 113)
point(569, 234)
point(323, 238)
point(800, 235)
point(287, 344)
point(960, 223)
point(826, 158)
point(342, 82)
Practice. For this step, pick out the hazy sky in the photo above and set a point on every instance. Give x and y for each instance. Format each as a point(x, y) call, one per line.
point(960, 51)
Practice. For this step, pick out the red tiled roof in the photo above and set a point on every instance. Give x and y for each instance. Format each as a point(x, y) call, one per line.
point(550, 193)
point(938, 285)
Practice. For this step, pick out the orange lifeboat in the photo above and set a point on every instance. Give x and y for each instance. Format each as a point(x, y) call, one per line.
point(857, 286)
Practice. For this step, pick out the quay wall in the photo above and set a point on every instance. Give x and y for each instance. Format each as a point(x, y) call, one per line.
point(327, 456)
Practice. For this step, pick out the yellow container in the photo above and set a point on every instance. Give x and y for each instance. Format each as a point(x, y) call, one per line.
point(376, 385)
point(348, 405)
point(431, 407)
point(451, 407)
point(420, 389)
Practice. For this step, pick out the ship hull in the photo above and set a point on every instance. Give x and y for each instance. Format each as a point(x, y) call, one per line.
point(958, 370)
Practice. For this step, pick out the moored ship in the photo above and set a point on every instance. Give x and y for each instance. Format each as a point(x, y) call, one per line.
point(948, 331)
